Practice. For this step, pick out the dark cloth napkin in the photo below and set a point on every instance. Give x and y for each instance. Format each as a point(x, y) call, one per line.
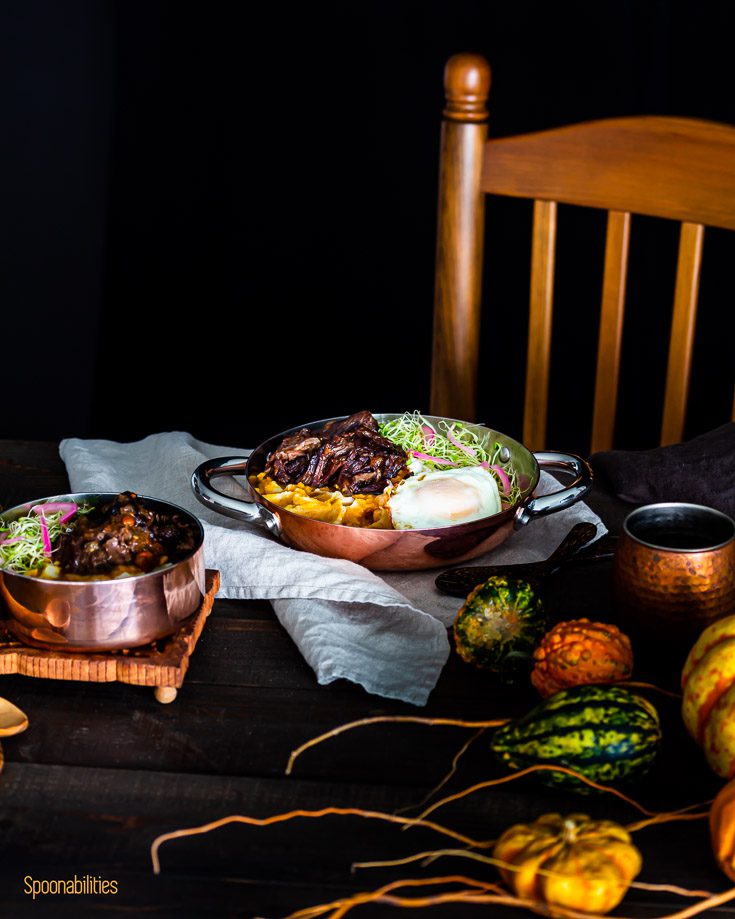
point(698, 471)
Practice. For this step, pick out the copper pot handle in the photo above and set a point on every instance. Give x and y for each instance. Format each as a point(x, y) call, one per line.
point(216, 500)
point(565, 497)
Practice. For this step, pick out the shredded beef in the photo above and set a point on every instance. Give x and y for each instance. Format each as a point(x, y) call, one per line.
point(123, 532)
point(350, 455)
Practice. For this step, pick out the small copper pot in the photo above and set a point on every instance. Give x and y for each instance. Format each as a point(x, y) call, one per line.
point(103, 615)
point(396, 550)
point(674, 569)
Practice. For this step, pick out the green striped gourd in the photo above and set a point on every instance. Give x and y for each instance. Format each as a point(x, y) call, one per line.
point(607, 733)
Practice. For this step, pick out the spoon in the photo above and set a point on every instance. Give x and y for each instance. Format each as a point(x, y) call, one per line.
point(458, 582)
point(12, 719)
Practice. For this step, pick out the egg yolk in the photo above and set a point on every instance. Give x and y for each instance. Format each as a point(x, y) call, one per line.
point(449, 498)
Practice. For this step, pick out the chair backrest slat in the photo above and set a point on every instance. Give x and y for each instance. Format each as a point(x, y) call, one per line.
point(677, 168)
point(611, 329)
point(543, 251)
point(682, 332)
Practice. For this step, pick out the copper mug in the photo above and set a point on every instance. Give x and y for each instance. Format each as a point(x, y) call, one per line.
point(674, 569)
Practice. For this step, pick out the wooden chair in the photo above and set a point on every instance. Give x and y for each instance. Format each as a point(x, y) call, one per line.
point(677, 168)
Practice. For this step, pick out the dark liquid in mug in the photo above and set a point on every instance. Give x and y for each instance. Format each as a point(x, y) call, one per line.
point(674, 537)
point(681, 529)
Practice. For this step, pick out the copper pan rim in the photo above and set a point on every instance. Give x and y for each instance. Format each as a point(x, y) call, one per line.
point(21, 510)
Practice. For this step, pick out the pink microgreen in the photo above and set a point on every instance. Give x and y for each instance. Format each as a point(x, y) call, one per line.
point(433, 459)
point(45, 535)
point(503, 476)
point(463, 447)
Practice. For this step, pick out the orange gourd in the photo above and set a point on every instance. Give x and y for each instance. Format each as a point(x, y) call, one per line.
point(722, 829)
point(580, 652)
point(570, 862)
point(708, 702)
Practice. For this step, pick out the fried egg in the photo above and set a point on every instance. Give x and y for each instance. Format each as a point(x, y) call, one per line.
point(440, 499)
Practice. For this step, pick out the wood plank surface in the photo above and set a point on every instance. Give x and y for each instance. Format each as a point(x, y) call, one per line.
point(49, 824)
point(103, 769)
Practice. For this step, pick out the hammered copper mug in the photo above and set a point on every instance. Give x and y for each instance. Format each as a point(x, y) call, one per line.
point(674, 569)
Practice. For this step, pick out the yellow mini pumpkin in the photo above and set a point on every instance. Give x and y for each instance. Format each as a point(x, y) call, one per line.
point(722, 829)
point(570, 862)
point(708, 703)
point(578, 652)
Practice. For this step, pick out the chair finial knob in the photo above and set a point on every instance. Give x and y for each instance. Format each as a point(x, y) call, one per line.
point(466, 86)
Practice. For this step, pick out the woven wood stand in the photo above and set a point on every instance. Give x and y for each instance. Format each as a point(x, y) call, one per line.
point(161, 665)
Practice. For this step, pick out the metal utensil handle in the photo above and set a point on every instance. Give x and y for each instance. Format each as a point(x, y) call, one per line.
point(458, 582)
point(250, 511)
point(579, 535)
point(565, 497)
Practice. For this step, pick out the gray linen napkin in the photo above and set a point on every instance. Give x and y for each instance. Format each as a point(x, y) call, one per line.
point(387, 633)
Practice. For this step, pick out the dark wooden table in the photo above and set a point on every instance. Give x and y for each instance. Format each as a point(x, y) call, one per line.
point(104, 768)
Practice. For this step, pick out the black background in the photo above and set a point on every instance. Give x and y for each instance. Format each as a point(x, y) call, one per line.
point(220, 217)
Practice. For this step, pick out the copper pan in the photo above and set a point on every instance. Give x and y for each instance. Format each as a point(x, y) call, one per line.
point(103, 615)
point(394, 550)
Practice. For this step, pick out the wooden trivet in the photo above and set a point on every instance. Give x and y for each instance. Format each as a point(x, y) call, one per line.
point(161, 664)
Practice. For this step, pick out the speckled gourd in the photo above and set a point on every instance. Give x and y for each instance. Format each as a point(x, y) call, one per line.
point(579, 652)
point(499, 625)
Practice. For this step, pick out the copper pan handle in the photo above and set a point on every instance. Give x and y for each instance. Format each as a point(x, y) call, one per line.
point(216, 500)
point(565, 497)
